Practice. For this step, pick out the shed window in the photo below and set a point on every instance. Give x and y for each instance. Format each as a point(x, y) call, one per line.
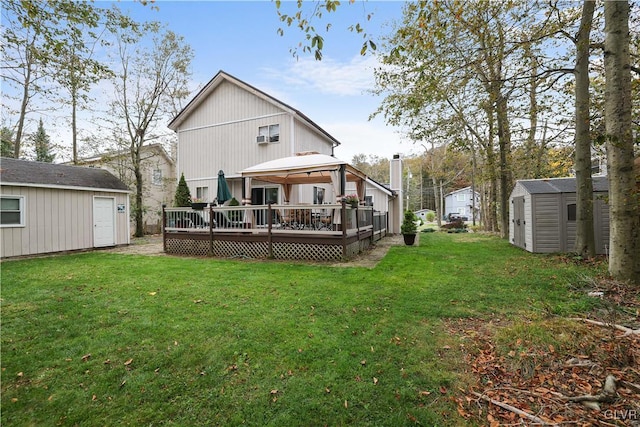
point(571, 212)
point(12, 211)
point(461, 197)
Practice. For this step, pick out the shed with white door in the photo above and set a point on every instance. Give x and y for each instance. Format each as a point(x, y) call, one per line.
point(543, 215)
point(48, 208)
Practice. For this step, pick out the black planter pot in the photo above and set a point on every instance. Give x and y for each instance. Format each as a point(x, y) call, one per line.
point(409, 239)
point(198, 206)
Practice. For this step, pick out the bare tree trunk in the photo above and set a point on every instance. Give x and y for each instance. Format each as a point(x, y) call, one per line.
point(585, 239)
point(624, 262)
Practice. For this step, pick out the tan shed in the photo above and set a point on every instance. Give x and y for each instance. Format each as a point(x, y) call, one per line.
point(543, 215)
point(48, 208)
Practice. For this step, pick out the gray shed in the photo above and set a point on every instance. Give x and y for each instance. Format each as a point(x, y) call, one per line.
point(47, 208)
point(543, 214)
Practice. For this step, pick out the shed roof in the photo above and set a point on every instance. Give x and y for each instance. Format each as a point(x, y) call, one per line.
point(39, 174)
point(561, 185)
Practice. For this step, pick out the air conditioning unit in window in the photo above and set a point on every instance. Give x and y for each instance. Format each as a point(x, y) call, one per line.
point(261, 139)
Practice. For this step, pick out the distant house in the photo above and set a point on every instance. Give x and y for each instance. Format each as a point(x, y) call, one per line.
point(159, 179)
point(463, 202)
point(422, 213)
point(543, 214)
point(46, 208)
point(232, 126)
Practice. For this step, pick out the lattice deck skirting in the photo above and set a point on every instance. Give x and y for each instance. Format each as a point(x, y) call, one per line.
point(321, 250)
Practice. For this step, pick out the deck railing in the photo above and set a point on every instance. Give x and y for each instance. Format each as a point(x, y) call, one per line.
point(310, 218)
point(314, 232)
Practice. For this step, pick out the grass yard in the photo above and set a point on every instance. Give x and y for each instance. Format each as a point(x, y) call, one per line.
point(100, 339)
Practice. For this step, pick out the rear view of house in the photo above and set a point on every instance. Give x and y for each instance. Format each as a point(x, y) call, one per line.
point(543, 215)
point(46, 208)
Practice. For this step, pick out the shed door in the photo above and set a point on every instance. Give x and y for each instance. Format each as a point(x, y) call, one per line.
point(518, 222)
point(104, 223)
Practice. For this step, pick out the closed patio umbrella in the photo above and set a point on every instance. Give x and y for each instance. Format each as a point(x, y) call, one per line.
point(224, 193)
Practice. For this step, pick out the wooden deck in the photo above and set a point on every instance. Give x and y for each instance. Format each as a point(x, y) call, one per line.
point(297, 232)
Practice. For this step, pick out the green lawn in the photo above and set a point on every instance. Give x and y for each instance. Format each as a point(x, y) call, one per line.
point(100, 339)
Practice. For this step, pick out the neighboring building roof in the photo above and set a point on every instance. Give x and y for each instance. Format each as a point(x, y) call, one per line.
point(460, 191)
point(111, 154)
point(26, 173)
point(561, 185)
point(222, 76)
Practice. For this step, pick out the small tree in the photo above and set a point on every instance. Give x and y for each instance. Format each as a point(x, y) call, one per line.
point(409, 223)
point(42, 144)
point(183, 195)
point(6, 146)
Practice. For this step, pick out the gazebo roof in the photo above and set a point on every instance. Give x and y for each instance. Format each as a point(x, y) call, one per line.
point(304, 168)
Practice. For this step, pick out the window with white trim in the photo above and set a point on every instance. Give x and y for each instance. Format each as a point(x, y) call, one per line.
point(461, 197)
point(270, 133)
point(156, 177)
point(12, 211)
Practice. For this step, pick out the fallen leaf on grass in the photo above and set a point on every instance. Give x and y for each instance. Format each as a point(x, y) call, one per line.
point(86, 357)
point(424, 393)
point(443, 389)
point(152, 293)
point(128, 362)
point(375, 381)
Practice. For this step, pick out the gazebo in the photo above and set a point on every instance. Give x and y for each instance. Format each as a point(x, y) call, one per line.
point(325, 231)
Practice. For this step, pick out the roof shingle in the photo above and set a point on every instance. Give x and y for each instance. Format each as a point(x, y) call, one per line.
point(14, 171)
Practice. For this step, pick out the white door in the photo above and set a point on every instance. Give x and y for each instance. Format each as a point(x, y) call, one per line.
point(104, 223)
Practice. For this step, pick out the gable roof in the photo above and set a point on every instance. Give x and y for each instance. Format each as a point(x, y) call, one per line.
point(24, 173)
point(106, 156)
point(561, 185)
point(465, 189)
point(221, 77)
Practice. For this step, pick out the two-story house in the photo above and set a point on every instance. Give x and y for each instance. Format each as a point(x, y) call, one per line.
point(231, 126)
point(159, 179)
point(464, 202)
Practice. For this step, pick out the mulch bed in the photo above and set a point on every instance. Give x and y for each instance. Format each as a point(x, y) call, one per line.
point(524, 384)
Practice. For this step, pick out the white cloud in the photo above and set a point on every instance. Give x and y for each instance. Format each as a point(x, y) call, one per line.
point(328, 76)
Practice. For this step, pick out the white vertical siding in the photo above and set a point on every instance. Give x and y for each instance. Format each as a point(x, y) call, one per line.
point(58, 220)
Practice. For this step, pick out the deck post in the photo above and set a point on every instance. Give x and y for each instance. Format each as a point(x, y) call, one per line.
point(343, 216)
point(269, 235)
point(164, 228)
point(210, 230)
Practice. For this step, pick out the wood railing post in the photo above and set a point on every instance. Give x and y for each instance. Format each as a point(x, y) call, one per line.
point(164, 228)
point(269, 235)
point(210, 230)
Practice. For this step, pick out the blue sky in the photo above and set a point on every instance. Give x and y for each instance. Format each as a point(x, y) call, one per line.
point(241, 38)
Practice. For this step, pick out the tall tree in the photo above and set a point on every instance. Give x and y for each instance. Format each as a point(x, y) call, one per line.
point(624, 262)
point(42, 144)
point(35, 33)
point(585, 244)
point(147, 83)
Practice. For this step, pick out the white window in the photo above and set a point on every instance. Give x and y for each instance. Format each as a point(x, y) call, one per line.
point(202, 193)
point(156, 177)
point(274, 133)
point(461, 197)
point(12, 211)
point(269, 133)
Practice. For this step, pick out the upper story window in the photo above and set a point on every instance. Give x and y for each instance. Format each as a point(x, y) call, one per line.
point(156, 177)
point(270, 133)
point(12, 211)
point(461, 197)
